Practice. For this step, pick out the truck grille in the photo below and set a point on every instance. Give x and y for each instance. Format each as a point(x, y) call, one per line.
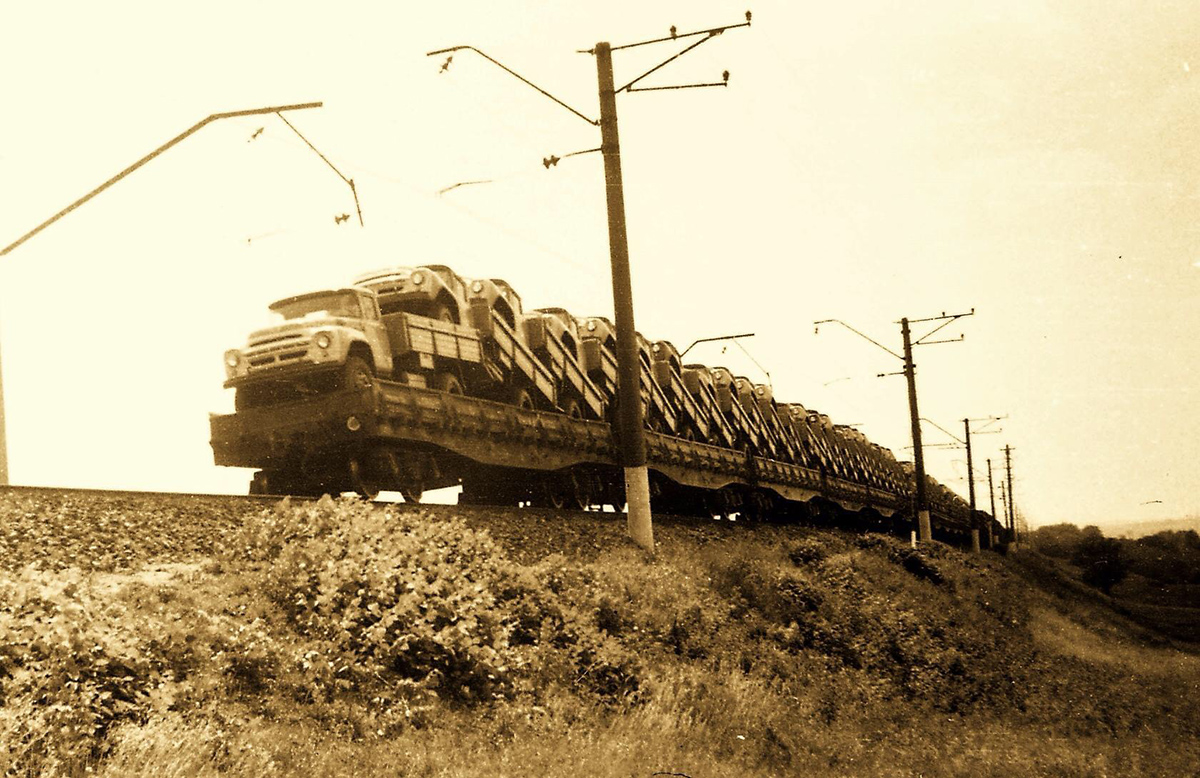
point(277, 350)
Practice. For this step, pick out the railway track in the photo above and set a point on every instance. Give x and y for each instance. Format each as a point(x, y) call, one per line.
point(108, 529)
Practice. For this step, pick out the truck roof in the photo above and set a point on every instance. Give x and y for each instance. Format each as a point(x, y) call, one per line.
point(308, 295)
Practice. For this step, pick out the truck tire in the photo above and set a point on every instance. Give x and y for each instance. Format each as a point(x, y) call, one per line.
point(521, 398)
point(448, 383)
point(357, 373)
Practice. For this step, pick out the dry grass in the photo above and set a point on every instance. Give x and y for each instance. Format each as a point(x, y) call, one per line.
point(774, 653)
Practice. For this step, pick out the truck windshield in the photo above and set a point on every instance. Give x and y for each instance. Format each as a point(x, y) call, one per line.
point(323, 306)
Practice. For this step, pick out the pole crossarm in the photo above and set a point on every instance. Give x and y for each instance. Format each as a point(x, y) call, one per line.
point(676, 36)
point(511, 72)
point(949, 319)
point(990, 421)
point(278, 109)
point(678, 86)
point(817, 326)
point(664, 63)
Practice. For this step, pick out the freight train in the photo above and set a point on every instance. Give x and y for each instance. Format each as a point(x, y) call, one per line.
point(416, 378)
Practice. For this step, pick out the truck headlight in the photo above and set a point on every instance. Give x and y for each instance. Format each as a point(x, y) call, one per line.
point(233, 357)
point(591, 325)
point(323, 340)
point(418, 278)
point(477, 287)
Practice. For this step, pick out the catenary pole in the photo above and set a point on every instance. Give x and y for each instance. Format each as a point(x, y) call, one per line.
point(921, 505)
point(971, 486)
point(991, 491)
point(970, 466)
point(629, 398)
point(924, 529)
point(632, 439)
point(1012, 525)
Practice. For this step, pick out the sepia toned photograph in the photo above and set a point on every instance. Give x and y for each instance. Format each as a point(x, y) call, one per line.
point(627, 389)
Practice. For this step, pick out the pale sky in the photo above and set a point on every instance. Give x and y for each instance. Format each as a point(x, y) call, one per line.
point(1032, 160)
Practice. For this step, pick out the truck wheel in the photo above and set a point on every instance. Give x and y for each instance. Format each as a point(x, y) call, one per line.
point(448, 383)
point(521, 398)
point(365, 487)
point(357, 374)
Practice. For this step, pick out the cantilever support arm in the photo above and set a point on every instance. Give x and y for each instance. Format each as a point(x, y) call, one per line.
point(515, 74)
point(817, 329)
point(183, 135)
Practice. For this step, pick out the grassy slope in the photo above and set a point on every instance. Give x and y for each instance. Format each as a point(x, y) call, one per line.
point(782, 651)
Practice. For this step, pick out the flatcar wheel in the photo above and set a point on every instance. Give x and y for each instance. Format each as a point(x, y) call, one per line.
point(571, 408)
point(582, 492)
point(557, 492)
point(613, 493)
point(365, 488)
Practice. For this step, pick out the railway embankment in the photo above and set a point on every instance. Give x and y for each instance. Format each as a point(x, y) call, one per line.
point(194, 635)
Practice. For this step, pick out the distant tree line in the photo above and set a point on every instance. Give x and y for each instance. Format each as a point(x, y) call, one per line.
point(1169, 557)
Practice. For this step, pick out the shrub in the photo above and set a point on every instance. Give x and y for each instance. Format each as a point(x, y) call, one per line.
point(1100, 560)
point(414, 607)
point(806, 552)
point(67, 677)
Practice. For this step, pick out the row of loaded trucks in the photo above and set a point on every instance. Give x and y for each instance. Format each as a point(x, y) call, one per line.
point(426, 332)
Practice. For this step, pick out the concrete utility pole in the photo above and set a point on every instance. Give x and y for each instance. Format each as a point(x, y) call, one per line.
point(629, 399)
point(924, 529)
point(275, 109)
point(970, 466)
point(971, 485)
point(1012, 524)
point(991, 490)
point(921, 507)
point(965, 442)
point(1004, 507)
point(630, 432)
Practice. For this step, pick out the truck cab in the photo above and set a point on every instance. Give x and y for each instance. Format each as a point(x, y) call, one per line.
point(434, 291)
point(749, 432)
point(599, 351)
point(313, 336)
point(554, 336)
